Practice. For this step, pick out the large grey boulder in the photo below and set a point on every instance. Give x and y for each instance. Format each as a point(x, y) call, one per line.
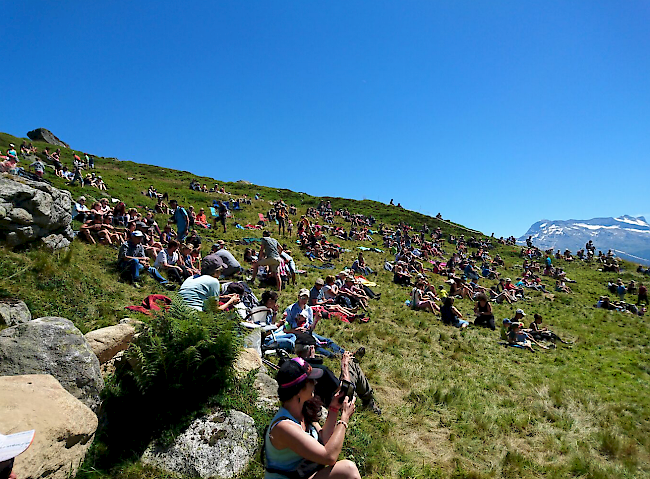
point(13, 312)
point(43, 134)
point(65, 427)
point(218, 445)
point(32, 210)
point(53, 346)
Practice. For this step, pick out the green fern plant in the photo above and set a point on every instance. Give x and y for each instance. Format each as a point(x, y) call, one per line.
point(183, 350)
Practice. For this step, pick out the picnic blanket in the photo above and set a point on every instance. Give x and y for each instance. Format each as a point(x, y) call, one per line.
point(250, 240)
point(365, 282)
point(324, 266)
point(364, 248)
point(153, 302)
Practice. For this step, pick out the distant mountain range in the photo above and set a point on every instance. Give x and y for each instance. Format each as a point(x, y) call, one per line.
point(628, 236)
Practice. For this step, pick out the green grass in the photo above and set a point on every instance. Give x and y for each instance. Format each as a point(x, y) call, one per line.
point(456, 404)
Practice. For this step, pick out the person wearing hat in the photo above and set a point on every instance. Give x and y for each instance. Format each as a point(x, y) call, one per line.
point(196, 292)
point(132, 258)
point(294, 440)
point(12, 155)
point(231, 265)
point(351, 371)
point(316, 293)
point(300, 318)
point(80, 210)
point(11, 446)
point(201, 219)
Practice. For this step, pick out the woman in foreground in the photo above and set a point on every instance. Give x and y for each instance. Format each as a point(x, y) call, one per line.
point(295, 446)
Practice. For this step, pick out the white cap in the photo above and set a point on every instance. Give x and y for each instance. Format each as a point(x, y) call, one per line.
point(15, 444)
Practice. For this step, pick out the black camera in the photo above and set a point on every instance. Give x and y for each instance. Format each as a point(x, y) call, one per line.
point(348, 388)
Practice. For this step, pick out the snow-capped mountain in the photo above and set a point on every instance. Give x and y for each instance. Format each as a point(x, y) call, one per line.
point(628, 236)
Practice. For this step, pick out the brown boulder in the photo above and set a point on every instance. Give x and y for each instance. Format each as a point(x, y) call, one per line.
point(107, 342)
point(64, 426)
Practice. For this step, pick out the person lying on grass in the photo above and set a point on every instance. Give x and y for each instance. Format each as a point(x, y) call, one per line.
point(294, 440)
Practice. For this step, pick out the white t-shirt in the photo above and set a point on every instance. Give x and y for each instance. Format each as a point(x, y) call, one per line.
point(164, 257)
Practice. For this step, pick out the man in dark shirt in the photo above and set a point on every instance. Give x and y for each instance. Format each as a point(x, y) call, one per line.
point(132, 256)
point(232, 265)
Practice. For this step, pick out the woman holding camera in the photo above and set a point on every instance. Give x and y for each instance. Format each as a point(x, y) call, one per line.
point(295, 446)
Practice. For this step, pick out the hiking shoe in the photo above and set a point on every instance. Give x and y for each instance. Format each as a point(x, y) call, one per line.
point(360, 353)
point(372, 406)
point(137, 285)
point(170, 287)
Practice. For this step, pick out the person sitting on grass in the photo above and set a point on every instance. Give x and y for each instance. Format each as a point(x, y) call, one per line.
point(80, 211)
point(294, 439)
point(421, 300)
point(483, 311)
point(232, 266)
point(450, 315)
point(300, 318)
point(196, 292)
point(187, 260)
point(351, 371)
point(277, 338)
point(168, 261)
point(360, 266)
point(201, 219)
point(538, 331)
point(354, 292)
point(519, 338)
point(132, 257)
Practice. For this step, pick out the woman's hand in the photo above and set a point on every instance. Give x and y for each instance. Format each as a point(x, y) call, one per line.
point(347, 409)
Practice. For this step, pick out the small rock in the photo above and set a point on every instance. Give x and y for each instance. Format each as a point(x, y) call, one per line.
point(248, 360)
point(13, 312)
point(267, 389)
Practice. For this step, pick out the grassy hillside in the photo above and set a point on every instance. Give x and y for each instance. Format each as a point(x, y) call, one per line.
point(456, 403)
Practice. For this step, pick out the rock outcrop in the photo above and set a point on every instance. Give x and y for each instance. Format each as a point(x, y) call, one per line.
point(32, 211)
point(248, 360)
point(267, 391)
point(13, 312)
point(107, 342)
point(53, 346)
point(217, 445)
point(42, 134)
point(64, 426)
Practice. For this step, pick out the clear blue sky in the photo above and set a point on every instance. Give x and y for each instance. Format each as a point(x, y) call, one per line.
point(495, 113)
